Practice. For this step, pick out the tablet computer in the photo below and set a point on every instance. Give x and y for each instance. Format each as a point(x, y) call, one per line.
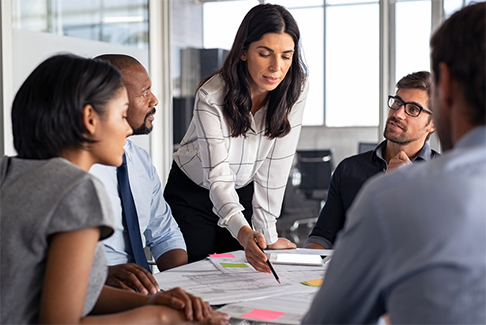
point(298, 259)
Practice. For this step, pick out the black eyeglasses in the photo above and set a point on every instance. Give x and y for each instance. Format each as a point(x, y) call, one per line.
point(411, 109)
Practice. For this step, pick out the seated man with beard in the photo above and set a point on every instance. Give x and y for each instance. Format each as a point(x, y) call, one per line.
point(142, 218)
point(407, 130)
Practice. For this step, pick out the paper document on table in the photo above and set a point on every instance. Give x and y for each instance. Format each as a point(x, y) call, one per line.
point(288, 309)
point(224, 288)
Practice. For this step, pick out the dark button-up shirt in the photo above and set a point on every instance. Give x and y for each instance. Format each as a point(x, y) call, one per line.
point(347, 180)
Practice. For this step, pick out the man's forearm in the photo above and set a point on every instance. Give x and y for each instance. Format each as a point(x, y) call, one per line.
point(171, 259)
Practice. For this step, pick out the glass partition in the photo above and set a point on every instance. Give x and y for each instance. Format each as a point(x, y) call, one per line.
point(123, 22)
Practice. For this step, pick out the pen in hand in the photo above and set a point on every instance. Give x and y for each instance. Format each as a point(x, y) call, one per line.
point(269, 264)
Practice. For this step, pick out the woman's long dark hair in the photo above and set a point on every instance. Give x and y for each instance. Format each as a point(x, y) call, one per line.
point(260, 20)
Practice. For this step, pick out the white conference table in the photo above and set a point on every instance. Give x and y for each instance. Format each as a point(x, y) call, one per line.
point(231, 285)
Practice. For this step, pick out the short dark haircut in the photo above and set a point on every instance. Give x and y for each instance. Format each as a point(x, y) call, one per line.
point(47, 112)
point(416, 80)
point(120, 61)
point(459, 43)
point(260, 20)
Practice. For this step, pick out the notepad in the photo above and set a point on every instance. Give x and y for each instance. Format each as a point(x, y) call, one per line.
point(295, 259)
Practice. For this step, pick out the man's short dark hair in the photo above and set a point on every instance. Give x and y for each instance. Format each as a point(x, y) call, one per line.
point(459, 43)
point(47, 112)
point(417, 80)
point(120, 61)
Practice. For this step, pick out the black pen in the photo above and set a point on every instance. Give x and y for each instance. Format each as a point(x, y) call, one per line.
point(269, 264)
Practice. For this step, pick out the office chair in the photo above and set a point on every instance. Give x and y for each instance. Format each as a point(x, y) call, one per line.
point(366, 146)
point(315, 167)
point(311, 176)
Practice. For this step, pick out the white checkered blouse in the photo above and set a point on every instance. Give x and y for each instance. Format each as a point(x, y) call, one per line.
point(220, 163)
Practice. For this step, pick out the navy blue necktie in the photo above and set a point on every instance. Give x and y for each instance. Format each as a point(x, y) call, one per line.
point(130, 217)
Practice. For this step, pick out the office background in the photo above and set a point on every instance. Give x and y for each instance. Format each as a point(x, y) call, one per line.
point(355, 50)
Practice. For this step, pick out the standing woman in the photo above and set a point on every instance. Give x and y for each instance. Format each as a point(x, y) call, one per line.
point(233, 163)
point(69, 114)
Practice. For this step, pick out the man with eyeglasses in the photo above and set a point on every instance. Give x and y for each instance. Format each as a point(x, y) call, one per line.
point(415, 240)
point(407, 130)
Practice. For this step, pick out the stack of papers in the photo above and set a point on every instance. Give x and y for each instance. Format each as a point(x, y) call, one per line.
point(228, 279)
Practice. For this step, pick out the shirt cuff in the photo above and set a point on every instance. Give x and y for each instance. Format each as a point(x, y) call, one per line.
point(234, 223)
point(271, 235)
point(319, 240)
point(162, 248)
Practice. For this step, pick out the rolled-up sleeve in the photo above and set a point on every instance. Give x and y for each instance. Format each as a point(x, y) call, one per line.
point(159, 230)
point(162, 233)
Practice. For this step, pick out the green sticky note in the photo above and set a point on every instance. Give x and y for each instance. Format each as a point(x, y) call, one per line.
point(239, 265)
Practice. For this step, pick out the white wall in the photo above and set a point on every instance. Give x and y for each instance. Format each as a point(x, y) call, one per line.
point(31, 48)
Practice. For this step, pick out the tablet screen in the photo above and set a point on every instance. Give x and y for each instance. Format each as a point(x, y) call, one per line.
point(298, 259)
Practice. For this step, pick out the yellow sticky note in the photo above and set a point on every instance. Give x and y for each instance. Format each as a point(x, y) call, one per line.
point(313, 283)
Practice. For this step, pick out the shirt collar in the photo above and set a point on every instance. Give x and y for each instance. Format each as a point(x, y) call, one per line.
point(424, 154)
point(378, 152)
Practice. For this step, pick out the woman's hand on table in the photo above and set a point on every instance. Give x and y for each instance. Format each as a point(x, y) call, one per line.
point(194, 308)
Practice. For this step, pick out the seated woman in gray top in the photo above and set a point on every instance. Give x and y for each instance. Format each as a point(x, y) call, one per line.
point(69, 114)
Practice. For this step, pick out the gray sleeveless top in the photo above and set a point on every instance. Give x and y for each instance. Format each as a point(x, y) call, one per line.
point(40, 198)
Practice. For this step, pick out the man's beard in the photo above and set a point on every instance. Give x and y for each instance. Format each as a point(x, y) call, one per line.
point(398, 139)
point(143, 129)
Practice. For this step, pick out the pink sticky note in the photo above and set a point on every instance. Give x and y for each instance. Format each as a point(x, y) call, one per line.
point(223, 255)
point(263, 314)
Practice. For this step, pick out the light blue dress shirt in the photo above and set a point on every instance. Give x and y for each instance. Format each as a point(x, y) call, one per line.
point(158, 229)
point(414, 245)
